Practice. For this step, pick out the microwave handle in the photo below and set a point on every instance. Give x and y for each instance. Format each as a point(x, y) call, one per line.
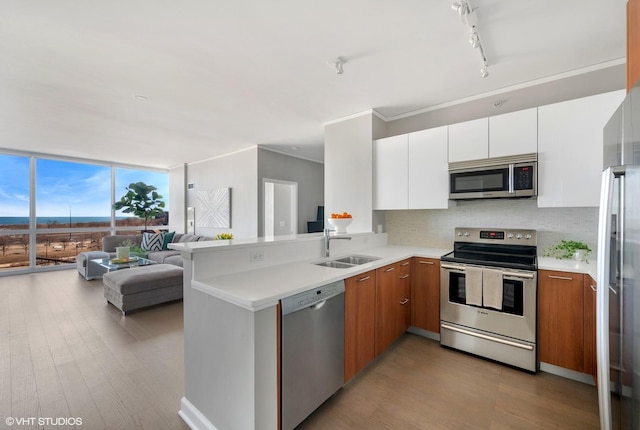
point(511, 186)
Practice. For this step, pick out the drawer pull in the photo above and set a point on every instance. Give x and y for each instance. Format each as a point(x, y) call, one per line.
point(425, 262)
point(364, 279)
point(406, 263)
point(562, 278)
point(593, 288)
point(390, 269)
point(404, 302)
point(404, 276)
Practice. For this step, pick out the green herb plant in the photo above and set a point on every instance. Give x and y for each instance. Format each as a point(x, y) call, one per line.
point(134, 248)
point(567, 248)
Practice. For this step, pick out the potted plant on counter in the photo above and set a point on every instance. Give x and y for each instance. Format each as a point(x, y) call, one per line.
point(569, 249)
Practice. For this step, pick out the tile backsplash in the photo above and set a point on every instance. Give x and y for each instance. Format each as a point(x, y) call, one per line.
point(434, 227)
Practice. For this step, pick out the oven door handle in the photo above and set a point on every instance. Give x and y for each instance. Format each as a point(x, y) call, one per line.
point(518, 275)
point(454, 268)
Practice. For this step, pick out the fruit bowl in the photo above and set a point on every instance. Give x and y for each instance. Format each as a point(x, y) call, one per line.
point(340, 224)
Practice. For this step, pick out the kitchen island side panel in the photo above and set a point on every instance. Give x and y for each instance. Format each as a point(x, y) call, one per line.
point(230, 364)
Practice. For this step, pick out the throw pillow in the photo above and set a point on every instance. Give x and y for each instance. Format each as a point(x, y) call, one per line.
point(152, 241)
point(168, 238)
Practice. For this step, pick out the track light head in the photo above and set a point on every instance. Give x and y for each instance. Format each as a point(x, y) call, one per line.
point(461, 7)
point(484, 71)
point(337, 65)
point(474, 40)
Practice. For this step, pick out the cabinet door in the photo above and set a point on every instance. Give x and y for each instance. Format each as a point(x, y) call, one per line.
point(392, 303)
point(590, 365)
point(560, 319)
point(570, 147)
point(469, 140)
point(390, 177)
point(428, 169)
point(513, 133)
point(359, 322)
point(425, 294)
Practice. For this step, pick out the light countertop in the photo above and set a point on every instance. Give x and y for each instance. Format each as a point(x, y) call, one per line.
point(262, 288)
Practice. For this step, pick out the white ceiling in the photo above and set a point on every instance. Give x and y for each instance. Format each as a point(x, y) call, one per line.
point(220, 76)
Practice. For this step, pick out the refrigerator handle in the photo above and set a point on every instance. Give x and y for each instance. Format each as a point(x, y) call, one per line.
point(602, 300)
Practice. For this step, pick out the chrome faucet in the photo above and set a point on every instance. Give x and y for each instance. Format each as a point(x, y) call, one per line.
point(327, 240)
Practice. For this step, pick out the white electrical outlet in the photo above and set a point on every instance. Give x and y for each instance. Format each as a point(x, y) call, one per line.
point(256, 256)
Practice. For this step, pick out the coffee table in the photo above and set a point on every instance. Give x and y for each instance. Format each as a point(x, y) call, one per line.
point(108, 263)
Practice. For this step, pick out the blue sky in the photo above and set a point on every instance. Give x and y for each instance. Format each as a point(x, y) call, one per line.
point(85, 189)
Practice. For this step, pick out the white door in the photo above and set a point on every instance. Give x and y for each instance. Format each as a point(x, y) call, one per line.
point(280, 207)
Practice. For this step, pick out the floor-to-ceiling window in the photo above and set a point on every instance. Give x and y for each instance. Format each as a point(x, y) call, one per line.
point(51, 209)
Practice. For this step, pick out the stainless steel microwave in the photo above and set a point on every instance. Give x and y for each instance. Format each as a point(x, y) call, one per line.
point(503, 177)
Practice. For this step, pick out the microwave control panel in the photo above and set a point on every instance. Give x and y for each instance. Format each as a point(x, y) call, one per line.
point(523, 177)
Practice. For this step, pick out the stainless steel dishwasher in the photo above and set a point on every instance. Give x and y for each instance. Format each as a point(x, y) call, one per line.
point(312, 355)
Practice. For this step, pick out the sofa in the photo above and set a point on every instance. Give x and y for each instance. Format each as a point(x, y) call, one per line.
point(136, 288)
point(166, 256)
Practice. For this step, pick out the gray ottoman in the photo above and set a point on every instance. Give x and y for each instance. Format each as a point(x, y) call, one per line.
point(88, 269)
point(139, 287)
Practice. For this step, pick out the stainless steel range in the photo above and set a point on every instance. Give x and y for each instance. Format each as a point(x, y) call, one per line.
point(488, 290)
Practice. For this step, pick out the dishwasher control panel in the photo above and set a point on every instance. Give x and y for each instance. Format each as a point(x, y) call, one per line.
point(311, 297)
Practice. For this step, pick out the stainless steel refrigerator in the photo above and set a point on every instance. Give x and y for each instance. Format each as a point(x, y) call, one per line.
point(618, 304)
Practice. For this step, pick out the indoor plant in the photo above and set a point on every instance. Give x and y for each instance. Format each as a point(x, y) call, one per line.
point(142, 200)
point(569, 249)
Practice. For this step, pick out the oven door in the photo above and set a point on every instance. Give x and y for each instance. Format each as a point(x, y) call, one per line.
point(478, 183)
point(506, 303)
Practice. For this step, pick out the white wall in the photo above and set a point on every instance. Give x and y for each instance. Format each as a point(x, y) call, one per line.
point(178, 201)
point(238, 171)
point(348, 158)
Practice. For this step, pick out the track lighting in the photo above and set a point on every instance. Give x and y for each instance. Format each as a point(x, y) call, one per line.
point(338, 64)
point(484, 71)
point(462, 8)
point(468, 15)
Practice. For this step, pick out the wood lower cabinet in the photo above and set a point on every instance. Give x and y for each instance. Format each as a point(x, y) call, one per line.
point(393, 308)
point(359, 322)
point(425, 294)
point(567, 320)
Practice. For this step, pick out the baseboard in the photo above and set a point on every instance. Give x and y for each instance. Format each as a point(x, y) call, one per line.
point(193, 417)
point(424, 333)
point(567, 373)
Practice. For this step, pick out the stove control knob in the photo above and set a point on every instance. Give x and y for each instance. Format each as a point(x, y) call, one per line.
point(518, 236)
point(466, 234)
point(459, 234)
point(527, 236)
point(510, 236)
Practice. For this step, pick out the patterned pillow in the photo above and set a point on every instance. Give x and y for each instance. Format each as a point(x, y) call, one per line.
point(168, 238)
point(152, 241)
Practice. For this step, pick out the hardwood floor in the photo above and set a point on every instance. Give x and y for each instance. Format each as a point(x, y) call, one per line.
point(417, 384)
point(65, 353)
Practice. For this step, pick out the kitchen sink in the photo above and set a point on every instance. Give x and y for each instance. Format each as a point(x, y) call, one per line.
point(356, 259)
point(334, 264)
point(348, 261)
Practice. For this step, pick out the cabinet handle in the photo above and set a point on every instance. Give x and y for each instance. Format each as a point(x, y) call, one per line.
point(404, 302)
point(404, 276)
point(562, 278)
point(425, 262)
point(364, 279)
point(390, 269)
point(406, 263)
point(593, 288)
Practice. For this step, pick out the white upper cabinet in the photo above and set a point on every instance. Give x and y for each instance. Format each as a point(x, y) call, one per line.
point(469, 140)
point(411, 171)
point(513, 133)
point(390, 176)
point(570, 145)
point(428, 169)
